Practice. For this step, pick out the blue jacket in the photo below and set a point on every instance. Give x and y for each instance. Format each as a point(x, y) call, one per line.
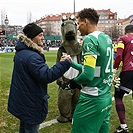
point(28, 98)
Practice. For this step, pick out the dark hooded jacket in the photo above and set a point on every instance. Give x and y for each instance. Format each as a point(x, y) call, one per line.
point(28, 98)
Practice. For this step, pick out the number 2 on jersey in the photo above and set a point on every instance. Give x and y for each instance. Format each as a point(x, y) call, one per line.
point(110, 55)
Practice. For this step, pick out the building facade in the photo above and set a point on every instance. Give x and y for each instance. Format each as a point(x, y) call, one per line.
point(127, 21)
point(51, 24)
point(107, 21)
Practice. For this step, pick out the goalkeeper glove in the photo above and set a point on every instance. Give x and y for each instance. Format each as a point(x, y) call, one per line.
point(64, 86)
point(73, 85)
point(116, 80)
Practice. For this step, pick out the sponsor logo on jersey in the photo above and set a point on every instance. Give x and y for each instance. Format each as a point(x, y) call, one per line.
point(108, 80)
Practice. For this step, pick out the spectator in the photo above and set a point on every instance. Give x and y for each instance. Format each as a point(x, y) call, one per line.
point(28, 98)
point(81, 41)
point(124, 54)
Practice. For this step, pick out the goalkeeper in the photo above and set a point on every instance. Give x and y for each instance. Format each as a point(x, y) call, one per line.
point(124, 54)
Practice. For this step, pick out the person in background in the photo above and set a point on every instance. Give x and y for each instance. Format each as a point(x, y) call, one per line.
point(92, 112)
point(28, 97)
point(124, 54)
point(81, 41)
point(115, 49)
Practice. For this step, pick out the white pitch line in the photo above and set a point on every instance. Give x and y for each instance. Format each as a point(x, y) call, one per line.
point(48, 123)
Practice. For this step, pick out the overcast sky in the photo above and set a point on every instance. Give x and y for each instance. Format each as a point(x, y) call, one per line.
point(17, 10)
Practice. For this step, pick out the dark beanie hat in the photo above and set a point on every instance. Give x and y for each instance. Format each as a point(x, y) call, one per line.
point(31, 30)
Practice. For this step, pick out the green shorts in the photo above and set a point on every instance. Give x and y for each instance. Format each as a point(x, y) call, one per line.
point(92, 114)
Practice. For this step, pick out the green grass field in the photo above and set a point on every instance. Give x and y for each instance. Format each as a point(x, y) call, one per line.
point(10, 124)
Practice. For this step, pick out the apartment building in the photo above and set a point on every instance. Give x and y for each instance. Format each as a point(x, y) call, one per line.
point(107, 21)
point(120, 27)
point(51, 24)
point(127, 21)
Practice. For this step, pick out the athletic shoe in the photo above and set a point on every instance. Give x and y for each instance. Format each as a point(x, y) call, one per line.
point(121, 130)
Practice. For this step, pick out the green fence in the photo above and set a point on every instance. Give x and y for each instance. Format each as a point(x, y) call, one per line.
point(52, 38)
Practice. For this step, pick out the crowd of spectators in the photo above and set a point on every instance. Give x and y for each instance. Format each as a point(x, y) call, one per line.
point(7, 44)
point(4, 42)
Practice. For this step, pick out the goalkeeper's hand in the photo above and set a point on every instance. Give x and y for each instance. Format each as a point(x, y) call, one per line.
point(116, 80)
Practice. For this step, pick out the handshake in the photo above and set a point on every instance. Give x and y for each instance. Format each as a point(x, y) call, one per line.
point(65, 56)
point(70, 85)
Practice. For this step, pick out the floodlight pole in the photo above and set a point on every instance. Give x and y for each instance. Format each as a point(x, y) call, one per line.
point(6, 24)
point(74, 7)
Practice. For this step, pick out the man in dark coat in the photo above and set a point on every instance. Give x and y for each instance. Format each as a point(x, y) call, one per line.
point(28, 98)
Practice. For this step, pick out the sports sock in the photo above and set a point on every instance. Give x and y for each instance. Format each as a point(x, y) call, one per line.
point(120, 110)
point(123, 126)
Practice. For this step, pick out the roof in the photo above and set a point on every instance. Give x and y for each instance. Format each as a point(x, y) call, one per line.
point(120, 20)
point(58, 17)
point(106, 11)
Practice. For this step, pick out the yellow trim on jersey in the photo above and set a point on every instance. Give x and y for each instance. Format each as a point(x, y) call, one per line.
point(120, 45)
point(89, 60)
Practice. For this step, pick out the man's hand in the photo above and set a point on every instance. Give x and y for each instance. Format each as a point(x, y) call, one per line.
point(64, 57)
point(116, 80)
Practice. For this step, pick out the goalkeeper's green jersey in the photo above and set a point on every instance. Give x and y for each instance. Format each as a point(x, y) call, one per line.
point(97, 68)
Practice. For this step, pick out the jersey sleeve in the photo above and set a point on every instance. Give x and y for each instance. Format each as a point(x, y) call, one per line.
point(89, 61)
point(77, 66)
point(119, 53)
point(89, 46)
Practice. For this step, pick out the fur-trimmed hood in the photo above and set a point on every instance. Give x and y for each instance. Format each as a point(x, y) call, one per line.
point(27, 42)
